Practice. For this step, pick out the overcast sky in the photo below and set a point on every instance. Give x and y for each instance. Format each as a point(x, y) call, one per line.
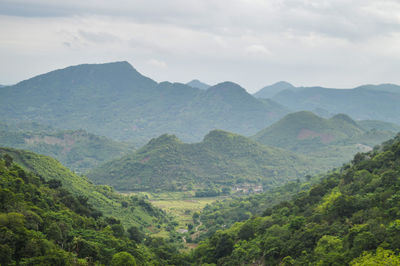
point(333, 43)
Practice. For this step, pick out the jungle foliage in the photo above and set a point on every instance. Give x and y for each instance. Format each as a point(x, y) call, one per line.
point(351, 216)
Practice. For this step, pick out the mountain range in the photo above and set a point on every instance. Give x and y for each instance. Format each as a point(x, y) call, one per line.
point(116, 101)
point(366, 102)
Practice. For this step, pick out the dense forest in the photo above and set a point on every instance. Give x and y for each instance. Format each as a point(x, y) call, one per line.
point(42, 223)
point(350, 217)
point(131, 210)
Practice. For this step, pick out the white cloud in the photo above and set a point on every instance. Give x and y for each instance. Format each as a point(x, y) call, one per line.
point(252, 42)
point(258, 50)
point(157, 63)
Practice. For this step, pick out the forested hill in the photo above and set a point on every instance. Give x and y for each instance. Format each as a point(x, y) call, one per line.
point(76, 149)
point(331, 142)
point(116, 101)
point(222, 159)
point(42, 223)
point(305, 132)
point(132, 211)
point(351, 216)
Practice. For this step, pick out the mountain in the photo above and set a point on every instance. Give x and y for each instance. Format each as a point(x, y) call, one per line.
point(116, 101)
point(221, 159)
point(76, 149)
point(330, 141)
point(272, 90)
point(304, 128)
point(198, 84)
point(136, 212)
point(349, 218)
point(369, 102)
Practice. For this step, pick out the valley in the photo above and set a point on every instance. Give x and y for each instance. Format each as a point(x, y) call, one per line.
point(194, 174)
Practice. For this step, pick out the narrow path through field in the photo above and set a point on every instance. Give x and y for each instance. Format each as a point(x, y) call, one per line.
point(196, 232)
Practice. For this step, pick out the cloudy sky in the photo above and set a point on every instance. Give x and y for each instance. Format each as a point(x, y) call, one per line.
point(333, 43)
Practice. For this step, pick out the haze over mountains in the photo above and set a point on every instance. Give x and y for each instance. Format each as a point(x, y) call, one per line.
point(376, 102)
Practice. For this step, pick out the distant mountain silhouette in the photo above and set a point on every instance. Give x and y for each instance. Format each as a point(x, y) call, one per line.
point(272, 90)
point(198, 84)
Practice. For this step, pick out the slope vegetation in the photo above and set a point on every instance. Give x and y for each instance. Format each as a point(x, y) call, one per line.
point(42, 223)
point(132, 211)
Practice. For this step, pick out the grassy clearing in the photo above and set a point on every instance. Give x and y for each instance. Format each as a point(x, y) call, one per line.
point(181, 205)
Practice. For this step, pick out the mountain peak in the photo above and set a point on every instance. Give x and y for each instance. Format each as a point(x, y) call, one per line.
point(282, 84)
point(164, 139)
point(227, 87)
point(302, 115)
point(217, 134)
point(272, 90)
point(198, 84)
point(344, 117)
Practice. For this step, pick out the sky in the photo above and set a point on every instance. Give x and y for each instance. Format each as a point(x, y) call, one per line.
point(331, 43)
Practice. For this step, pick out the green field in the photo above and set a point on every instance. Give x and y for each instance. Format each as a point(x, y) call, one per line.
point(181, 205)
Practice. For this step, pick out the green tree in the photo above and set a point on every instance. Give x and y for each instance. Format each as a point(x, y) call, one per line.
point(123, 259)
point(135, 234)
point(381, 257)
point(8, 160)
point(329, 251)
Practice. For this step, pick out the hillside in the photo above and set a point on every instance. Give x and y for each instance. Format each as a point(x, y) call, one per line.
point(222, 159)
point(330, 142)
point(42, 223)
point(136, 212)
point(116, 101)
point(76, 149)
point(351, 217)
point(369, 102)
